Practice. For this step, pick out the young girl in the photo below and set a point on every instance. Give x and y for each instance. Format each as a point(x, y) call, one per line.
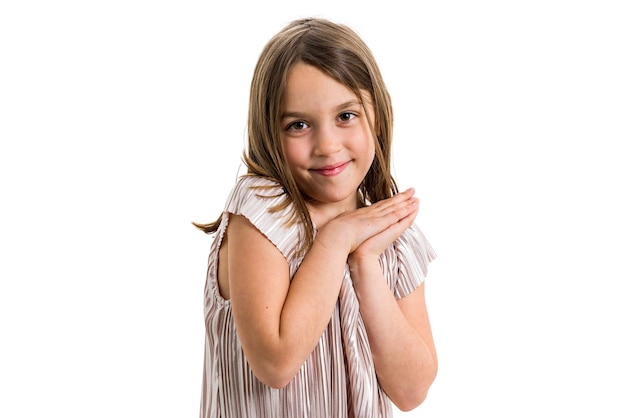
point(314, 299)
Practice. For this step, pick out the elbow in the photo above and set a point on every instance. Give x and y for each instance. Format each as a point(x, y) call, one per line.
point(276, 382)
point(273, 365)
point(413, 396)
point(410, 401)
point(274, 375)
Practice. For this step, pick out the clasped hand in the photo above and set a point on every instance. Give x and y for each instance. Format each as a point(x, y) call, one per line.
point(366, 232)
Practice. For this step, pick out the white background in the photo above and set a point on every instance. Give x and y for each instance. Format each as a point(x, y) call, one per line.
point(123, 121)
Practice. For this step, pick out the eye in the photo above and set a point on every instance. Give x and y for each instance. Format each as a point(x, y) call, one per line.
point(346, 116)
point(297, 126)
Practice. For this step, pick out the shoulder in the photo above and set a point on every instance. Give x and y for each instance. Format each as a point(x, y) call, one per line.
point(268, 208)
point(409, 256)
point(256, 185)
point(254, 193)
point(413, 243)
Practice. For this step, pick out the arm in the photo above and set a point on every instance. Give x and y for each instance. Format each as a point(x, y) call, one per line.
point(279, 322)
point(401, 340)
point(399, 331)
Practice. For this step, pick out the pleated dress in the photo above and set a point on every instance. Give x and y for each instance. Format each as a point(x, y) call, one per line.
point(338, 379)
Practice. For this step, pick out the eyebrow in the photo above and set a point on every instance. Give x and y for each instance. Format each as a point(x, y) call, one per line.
point(349, 103)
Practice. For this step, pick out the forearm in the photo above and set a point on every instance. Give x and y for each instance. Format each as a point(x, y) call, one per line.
point(403, 352)
point(280, 326)
point(310, 301)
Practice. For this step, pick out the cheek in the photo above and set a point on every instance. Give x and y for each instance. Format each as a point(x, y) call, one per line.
point(294, 154)
point(370, 150)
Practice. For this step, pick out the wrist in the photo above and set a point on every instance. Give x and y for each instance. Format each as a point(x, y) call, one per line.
point(360, 264)
point(331, 241)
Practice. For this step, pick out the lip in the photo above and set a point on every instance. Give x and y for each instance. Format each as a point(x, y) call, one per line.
point(332, 169)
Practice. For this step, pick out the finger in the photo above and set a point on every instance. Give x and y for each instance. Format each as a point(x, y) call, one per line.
point(376, 244)
point(396, 199)
point(396, 229)
point(400, 209)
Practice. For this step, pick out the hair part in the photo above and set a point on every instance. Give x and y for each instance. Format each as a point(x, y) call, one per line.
point(339, 52)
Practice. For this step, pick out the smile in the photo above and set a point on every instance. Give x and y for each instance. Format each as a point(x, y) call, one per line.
point(331, 170)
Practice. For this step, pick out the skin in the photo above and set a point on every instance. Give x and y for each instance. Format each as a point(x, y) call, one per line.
point(328, 146)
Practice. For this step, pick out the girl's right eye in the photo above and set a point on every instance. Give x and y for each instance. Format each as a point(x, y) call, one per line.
point(297, 126)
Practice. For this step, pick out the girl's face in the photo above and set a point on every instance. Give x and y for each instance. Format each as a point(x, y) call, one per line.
point(326, 138)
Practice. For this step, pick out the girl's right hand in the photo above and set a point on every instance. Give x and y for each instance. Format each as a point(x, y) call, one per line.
point(350, 229)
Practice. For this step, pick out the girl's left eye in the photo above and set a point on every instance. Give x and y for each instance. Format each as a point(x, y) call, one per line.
point(346, 116)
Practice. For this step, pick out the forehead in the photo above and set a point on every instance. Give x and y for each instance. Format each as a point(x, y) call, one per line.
point(309, 87)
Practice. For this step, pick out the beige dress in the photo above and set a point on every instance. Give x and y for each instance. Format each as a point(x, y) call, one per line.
point(338, 379)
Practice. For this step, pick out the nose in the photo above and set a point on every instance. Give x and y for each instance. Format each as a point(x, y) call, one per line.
point(327, 141)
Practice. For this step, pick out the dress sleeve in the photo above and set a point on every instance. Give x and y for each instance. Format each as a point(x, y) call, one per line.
point(413, 253)
point(254, 198)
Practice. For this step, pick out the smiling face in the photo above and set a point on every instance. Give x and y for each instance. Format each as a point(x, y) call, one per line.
point(326, 138)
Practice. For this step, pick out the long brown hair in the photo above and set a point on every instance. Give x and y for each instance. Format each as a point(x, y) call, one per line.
point(338, 51)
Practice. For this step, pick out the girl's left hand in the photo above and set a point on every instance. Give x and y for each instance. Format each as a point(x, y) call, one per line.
point(374, 246)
